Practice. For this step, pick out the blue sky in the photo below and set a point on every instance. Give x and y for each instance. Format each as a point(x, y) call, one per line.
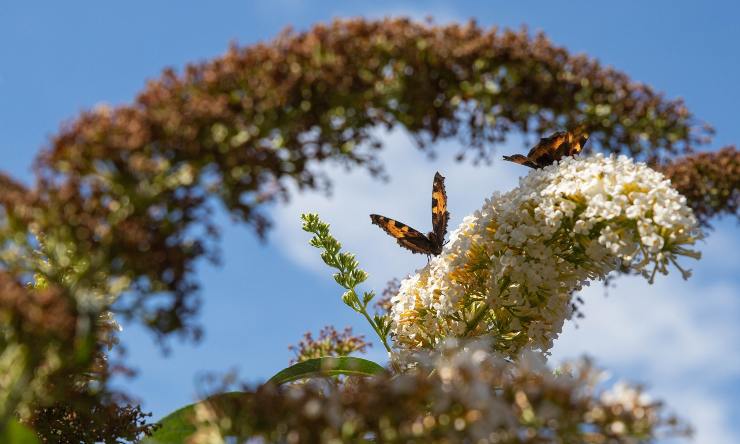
point(681, 339)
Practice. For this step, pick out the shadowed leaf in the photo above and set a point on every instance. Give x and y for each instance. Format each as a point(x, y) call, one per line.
point(327, 366)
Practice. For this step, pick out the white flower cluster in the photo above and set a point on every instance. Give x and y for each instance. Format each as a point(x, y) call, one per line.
point(511, 268)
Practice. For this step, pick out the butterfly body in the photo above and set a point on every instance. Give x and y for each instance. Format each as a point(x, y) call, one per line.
point(551, 149)
point(430, 244)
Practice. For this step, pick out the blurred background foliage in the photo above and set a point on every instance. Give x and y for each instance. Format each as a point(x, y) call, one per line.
point(120, 210)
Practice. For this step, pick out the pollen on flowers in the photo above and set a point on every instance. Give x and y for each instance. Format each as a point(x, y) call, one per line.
point(633, 187)
point(473, 271)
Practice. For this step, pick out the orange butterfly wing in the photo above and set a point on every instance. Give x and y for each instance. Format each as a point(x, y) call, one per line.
point(576, 141)
point(521, 160)
point(440, 215)
point(552, 148)
point(548, 149)
point(406, 236)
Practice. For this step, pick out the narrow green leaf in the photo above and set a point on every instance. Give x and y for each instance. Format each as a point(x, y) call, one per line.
point(176, 427)
point(16, 433)
point(367, 297)
point(328, 366)
point(349, 298)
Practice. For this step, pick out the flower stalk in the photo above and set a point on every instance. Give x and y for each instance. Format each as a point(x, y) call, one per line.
point(348, 275)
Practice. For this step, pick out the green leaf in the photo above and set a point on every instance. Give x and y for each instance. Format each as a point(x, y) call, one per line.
point(383, 323)
point(328, 366)
point(349, 298)
point(176, 427)
point(16, 433)
point(367, 297)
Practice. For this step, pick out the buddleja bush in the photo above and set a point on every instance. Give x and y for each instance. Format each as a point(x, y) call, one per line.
point(467, 334)
point(120, 210)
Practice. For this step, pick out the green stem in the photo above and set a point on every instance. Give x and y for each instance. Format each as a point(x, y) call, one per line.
point(383, 338)
point(377, 331)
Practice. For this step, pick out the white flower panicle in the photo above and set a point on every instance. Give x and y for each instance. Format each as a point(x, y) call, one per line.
point(511, 268)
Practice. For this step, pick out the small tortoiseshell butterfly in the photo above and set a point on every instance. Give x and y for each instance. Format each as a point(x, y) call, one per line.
point(551, 149)
point(414, 240)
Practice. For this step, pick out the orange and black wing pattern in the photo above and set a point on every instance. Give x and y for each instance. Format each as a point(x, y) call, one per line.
point(414, 240)
point(406, 236)
point(440, 215)
point(552, 148)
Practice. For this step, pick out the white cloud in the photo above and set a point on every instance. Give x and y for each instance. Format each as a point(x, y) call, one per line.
point(707, 412)
point(639, 324)
point(722, 247)
point(680, 338)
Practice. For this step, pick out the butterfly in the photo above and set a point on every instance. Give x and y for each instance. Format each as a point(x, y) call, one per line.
point(414, 240)
point(552, 148)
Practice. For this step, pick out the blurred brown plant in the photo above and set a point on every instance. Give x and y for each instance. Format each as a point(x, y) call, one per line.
point(383, 304)
point(710, 182)
point(40, 345)
point(85, 418)
point(466, 397)
point(329, 343)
